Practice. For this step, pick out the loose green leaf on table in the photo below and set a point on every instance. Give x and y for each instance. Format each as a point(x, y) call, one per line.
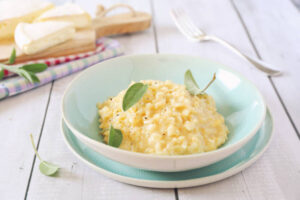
point(192, 86)
point(45, 167)
point(115, 137)
point(133, 95)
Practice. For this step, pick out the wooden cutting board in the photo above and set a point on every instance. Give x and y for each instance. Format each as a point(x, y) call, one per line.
point(130, 22)
point(83, 41)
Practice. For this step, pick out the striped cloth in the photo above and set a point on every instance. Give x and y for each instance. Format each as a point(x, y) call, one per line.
point(15, 85)
point(60, 60)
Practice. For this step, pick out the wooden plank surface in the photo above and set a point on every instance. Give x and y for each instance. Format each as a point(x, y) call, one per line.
point(19, 116)
point(76, 180)
point(275, 31)
point(280, 165)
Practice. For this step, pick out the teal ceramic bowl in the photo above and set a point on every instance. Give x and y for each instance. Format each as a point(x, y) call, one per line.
point(237, 99)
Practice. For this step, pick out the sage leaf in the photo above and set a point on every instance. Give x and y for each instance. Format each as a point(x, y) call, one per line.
point(35, 68)
point(190, 83)
point(25, 75)
point(26, 71)
point(133, 95)
point(29, 76)
point(1, 73)
point(45, 167)
point(115, 137)
point(12, 57)
point(210, 82)
point(34, 78)
point(192, 86)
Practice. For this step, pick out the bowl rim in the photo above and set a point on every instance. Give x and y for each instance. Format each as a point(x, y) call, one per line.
point(99, 144)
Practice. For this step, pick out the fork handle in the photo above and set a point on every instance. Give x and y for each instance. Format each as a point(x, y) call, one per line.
point(265, 67)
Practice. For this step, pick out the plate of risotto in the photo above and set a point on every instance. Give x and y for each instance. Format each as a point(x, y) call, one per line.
point(163, 112)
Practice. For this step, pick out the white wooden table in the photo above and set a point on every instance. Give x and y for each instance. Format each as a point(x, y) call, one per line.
point(266, 29)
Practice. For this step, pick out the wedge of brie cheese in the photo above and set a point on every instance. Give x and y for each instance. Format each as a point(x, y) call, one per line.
point(36, 37)
point(12, 12)
point(68, 12)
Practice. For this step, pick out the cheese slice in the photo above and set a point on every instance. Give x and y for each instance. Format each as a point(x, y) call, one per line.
point(13, 12)
point(68, 12)
point(36, 37)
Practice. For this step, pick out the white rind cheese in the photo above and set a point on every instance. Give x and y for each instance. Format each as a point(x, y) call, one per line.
point(12, 12)
point(33, 38)
point(68, 12)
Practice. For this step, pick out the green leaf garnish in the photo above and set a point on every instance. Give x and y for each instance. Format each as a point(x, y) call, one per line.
point(115, 137)
point(133, 95)
point(12, 57)
point(190, 83)
point(192, 86)
point(210, 82)
point(45, 167)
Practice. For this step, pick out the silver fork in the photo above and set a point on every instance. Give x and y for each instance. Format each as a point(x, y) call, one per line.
point(192, 32)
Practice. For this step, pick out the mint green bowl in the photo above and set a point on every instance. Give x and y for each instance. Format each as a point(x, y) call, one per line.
point(237, 99)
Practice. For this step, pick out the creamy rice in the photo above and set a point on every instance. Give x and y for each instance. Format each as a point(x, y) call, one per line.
point(168, 120)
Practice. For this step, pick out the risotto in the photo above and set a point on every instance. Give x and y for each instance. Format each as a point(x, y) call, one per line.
point(167, 120)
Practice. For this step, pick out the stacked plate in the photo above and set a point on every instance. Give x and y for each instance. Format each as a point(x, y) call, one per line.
point(241, 104)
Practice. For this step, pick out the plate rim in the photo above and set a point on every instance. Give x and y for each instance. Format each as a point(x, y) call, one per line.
point(171, 184)
point(129, 153)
